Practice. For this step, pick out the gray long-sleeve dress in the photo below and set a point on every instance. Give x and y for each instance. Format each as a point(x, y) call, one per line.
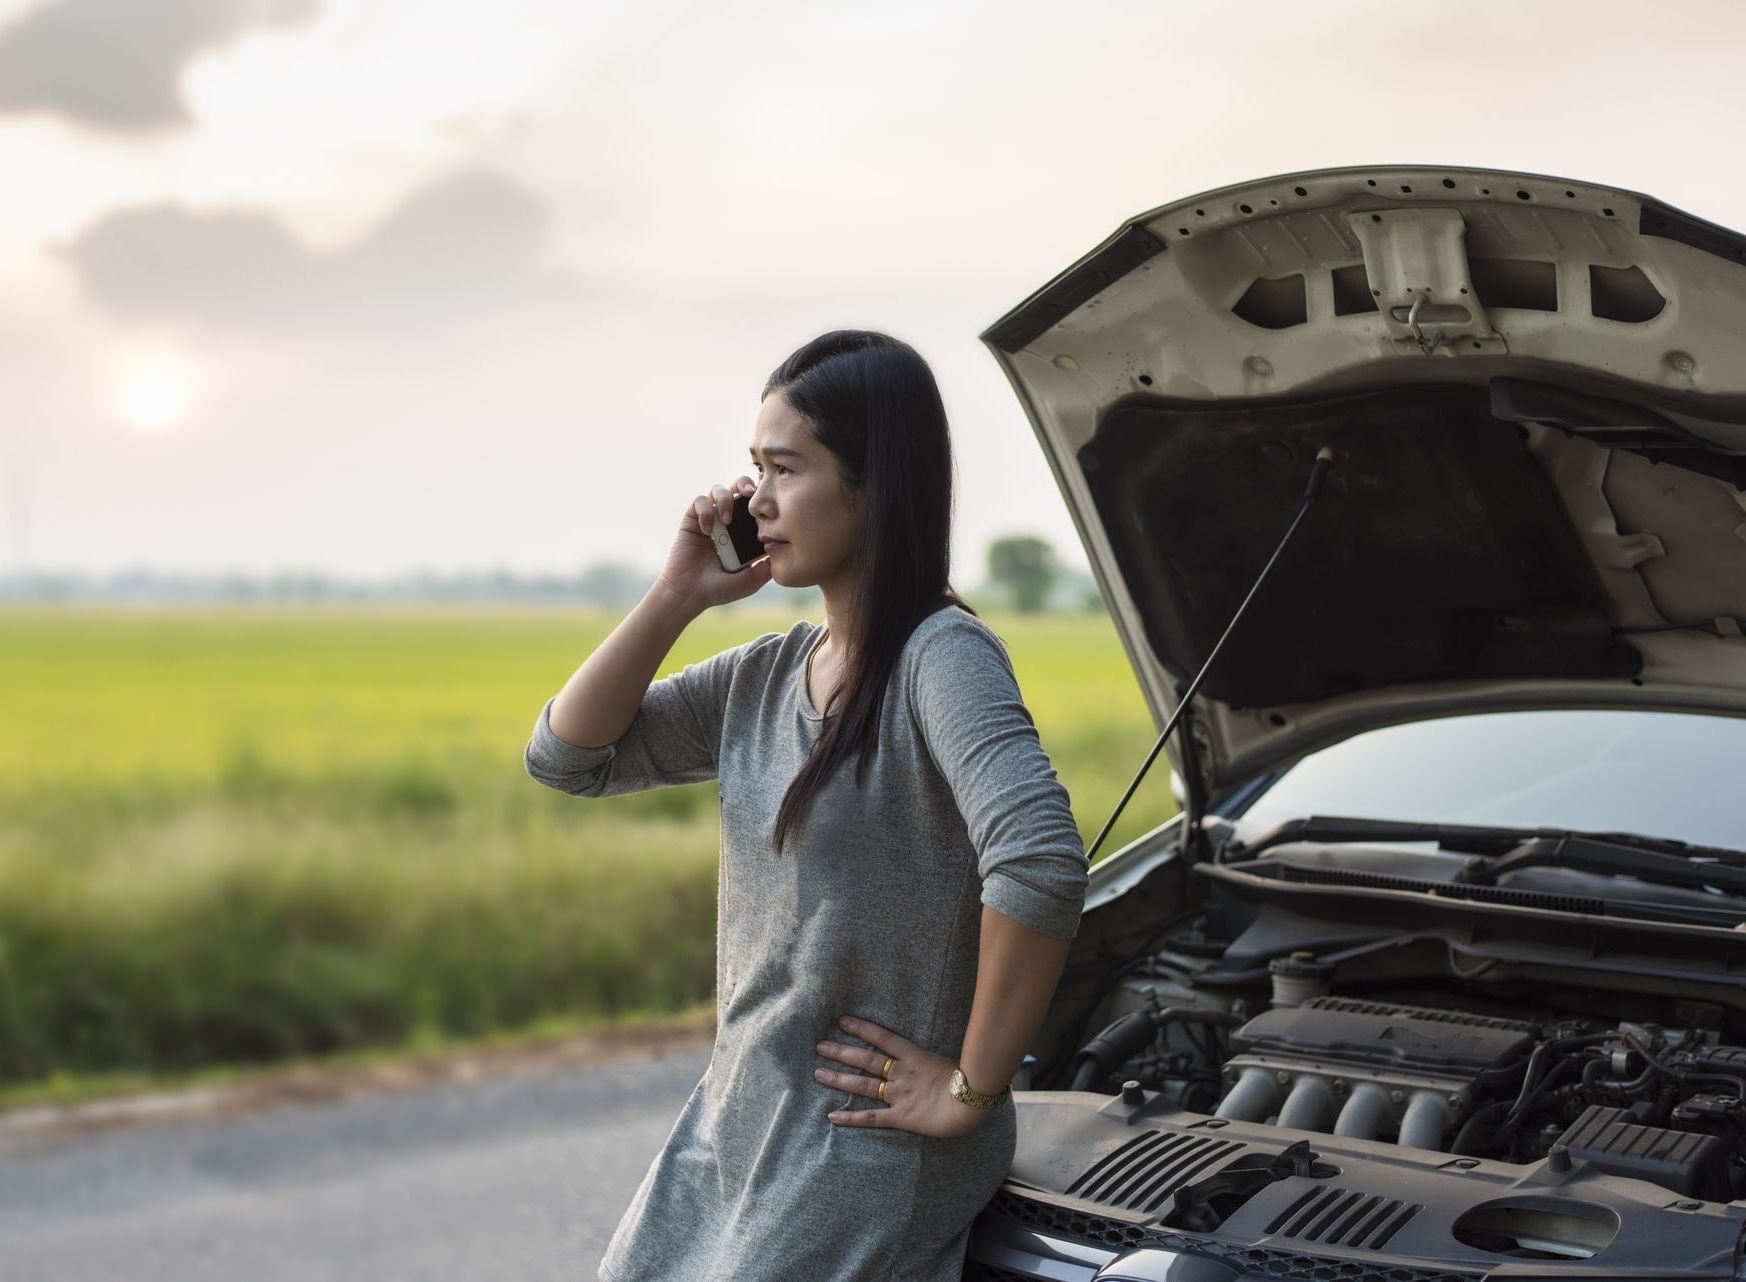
point(874, 910)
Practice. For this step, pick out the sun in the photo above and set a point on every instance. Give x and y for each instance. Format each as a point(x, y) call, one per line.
point(155, 393)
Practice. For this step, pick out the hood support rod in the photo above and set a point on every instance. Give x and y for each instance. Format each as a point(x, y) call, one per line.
point(1318, 473)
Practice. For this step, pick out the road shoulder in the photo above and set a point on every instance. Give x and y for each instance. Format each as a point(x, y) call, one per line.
point(306, 1084)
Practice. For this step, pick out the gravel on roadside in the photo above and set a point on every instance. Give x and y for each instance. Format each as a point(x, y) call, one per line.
point(326, 1083)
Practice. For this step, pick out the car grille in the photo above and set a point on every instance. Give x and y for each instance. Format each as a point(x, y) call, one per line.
point(1336, 1215)
point(1146, 1171)
point(1250, 1261)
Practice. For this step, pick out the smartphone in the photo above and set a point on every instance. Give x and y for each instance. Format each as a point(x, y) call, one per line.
point(736, 543)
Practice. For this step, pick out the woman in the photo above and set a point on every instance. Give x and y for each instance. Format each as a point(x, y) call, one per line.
point(879, 926)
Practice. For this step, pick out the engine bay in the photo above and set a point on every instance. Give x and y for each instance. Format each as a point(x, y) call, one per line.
point(1312, 988)
point(1329, 1058)
point(1637, 1100)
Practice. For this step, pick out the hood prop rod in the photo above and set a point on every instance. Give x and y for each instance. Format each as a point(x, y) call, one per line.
point(1318, 473)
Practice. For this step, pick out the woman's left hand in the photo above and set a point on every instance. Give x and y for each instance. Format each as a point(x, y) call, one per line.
point(918, 1094)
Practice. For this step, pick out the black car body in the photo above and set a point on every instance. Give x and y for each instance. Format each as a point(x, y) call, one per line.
point(1441, 972)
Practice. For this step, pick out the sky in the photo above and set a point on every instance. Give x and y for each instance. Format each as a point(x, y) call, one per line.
point(373, 287)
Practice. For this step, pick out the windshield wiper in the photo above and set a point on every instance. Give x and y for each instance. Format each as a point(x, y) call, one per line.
point(1614, 854)
point(1659, 859)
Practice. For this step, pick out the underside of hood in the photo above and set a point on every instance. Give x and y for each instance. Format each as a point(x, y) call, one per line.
point(1535, 394)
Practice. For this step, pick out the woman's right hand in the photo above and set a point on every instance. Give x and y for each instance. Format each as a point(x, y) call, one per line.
point(693, 569)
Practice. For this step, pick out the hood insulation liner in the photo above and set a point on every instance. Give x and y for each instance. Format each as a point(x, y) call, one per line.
point(1438, 550)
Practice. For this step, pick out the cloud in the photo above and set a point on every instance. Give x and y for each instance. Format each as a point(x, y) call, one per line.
point(117, 64)
point(468, 243)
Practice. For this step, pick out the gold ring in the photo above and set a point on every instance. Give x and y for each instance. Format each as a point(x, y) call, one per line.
point(881, 1091)
point(886, 1071)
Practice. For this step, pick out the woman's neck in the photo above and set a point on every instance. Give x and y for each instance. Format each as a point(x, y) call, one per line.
point(839, 625)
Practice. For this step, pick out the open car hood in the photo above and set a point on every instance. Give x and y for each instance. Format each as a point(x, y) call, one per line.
point(1538, 494)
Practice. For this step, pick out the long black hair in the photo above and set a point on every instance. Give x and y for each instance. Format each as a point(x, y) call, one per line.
point(872, 401)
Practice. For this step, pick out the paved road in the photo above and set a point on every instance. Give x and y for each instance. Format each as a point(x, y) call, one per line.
point(514, 1179)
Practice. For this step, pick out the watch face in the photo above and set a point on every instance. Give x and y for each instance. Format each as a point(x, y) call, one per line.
point(966, 1094)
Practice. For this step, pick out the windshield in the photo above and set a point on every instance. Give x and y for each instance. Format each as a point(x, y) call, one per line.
point(1658, 774)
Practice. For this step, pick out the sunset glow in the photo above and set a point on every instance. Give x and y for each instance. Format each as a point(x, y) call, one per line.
point(385, 250)
point(154, 394)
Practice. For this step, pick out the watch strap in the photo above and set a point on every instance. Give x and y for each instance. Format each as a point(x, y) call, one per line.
point(965, 1094)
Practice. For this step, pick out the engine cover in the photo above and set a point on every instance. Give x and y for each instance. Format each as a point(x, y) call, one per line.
point(1369, 1068)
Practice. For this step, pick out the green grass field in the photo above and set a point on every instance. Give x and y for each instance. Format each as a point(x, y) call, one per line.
point(250, 835)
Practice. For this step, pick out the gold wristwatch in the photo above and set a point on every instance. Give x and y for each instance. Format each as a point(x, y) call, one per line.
point(976, 1099)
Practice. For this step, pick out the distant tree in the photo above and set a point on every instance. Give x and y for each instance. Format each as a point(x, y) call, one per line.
point(612, 583)
point(1024, 566)
point(1080, 590)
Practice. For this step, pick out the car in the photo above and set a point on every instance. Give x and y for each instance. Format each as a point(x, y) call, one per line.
point(1440, 971)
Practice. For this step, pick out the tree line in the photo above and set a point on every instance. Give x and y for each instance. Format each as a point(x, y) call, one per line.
point(1021, 572)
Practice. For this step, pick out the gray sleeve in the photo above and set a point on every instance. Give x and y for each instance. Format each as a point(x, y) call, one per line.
point(965, 698)
point(675, 737)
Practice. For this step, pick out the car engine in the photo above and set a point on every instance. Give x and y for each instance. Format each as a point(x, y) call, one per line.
point(1632, 1100)
point(1355, 1092)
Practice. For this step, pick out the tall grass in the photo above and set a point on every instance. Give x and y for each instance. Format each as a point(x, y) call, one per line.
point(251, 835)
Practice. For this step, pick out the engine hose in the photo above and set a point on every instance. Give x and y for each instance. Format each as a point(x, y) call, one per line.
point(1719, 1059)
point(1630, 1086)
point(1143, 958)
point(1533, 1087)
point(1542, 1089)
point(1531, 1079)
point(1132, 1033)
point(1681, 1074)
point(1463, 1145)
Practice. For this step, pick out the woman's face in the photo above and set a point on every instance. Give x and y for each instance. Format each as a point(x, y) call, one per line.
point(800, 500)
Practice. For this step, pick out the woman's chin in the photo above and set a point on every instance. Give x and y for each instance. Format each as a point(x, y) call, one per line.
point(783, 573)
